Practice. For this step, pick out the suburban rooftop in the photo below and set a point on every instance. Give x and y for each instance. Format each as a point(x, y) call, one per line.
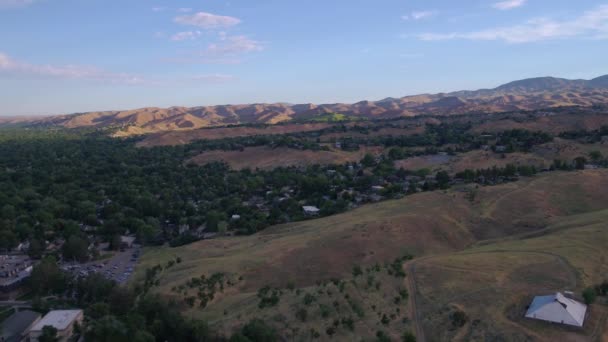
point(60, 319)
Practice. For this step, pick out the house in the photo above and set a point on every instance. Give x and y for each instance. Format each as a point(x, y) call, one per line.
point(310, 210)
point(501, 148)
point(557, 308)
point(127, 241)
point(14, 270)
point(16, 327)
point(62, 320)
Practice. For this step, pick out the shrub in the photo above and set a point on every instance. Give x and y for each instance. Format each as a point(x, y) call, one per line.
point(302, 314)
point(459, 318)
point(357, 271)
point(308, 299)
point(589, 295)
point(408, 337)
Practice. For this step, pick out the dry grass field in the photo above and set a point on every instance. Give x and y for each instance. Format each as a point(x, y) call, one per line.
point(493, 284)
point(540, 234)
point(266, 158)
point(540, 156)
point(185, 137)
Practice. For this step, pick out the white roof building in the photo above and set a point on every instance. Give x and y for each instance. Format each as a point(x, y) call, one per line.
point(62, 320)
point(308, 209)
point(558, 308)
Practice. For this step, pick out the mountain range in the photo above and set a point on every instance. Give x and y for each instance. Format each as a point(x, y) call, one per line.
point(527, 94)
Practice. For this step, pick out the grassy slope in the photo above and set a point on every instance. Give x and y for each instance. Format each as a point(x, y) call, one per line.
point(425, 224)
point(493, 283)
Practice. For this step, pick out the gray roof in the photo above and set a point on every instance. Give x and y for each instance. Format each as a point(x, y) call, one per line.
point(60, 319)
point(14, 326)
point(558, 309)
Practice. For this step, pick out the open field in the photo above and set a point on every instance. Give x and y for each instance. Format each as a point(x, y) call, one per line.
point(185, 137)
point(552, 124)
point(311, 253)
point(266, 158)
point(540, 156)
point(492, 284)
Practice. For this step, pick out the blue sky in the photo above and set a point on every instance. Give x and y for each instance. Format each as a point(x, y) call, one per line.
point(64, 56)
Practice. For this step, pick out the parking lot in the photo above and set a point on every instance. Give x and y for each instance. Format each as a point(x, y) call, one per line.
point(119, 267)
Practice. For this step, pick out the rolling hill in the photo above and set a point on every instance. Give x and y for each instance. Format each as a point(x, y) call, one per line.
point(528, 94)
point(509, 239)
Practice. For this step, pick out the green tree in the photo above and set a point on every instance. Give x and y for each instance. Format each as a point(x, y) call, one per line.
point(258, 331)
point(579, 162)
point(589, 295)
point(107, 329)
point(49, 334)
point(368, 160)
point(408, 337)
point(76, 248)
point(47, 278)
point(595, 156)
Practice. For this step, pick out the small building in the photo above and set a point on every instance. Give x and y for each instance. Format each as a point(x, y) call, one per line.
point(17, 326)
point(235, 217)
point(311, 210)
point(127, 241)
point(62, 320)
point(557, 308)
point(501, 148)
point(14, 270)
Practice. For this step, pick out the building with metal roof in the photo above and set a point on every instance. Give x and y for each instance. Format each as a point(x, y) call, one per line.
point(558, 308)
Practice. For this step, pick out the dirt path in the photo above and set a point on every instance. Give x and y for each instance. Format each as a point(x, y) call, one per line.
point(414, 312)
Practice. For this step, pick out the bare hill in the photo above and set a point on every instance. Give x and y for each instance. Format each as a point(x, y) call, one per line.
point(526, 94)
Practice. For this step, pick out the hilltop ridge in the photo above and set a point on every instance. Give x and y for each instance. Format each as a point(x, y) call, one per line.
point(527, 94)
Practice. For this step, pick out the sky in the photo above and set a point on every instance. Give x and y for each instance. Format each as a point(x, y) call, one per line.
point(68, 56)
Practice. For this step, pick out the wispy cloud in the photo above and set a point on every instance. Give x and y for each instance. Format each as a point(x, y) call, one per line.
point(509, 4)
point(227, 50)
point(184, 10)
point(14, 3)
point(231, 46)
point(186, 35)
point(207, 20)
point(592, 24)
point(159, 9)
point(24, 70)
point(419, 15)
point(10, 66)
point(213, 78)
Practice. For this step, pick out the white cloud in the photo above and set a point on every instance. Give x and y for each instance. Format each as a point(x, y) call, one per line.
point(23, 69)
point(231, 46)
point(15, 3)
point(158, 9)
point(184, 10)
point(207, 20)
point(187, 35)
point(592, 24)
point(419, 15)
point(509, 4)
